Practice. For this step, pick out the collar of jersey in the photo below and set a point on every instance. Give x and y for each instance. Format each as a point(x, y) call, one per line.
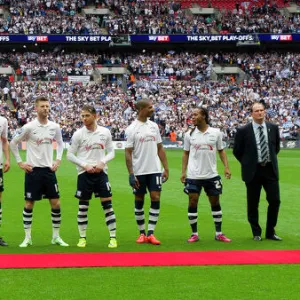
point(198, 131)
point(90, 130)
point(42, 125)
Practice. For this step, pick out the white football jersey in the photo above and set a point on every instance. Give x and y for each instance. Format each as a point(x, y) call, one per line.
point(143, 138)
point(91, 147)
point(39, 143)
point(203, 147)
point(3, 134)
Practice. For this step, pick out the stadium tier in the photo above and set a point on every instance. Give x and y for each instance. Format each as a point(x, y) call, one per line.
point(221, 54)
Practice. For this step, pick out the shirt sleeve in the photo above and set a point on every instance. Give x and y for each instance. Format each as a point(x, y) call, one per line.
point(129, 138)
point(159, 140)
point(220, 145)
point(72, 151)
point(186, 143)
point(22, 135)
point(110, 150)
point(5, 129)
point(59, 142)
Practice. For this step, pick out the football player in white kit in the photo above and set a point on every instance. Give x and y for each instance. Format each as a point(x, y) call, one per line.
point(144, 154)
point(199, 170)
point(40, 168)
point(4, 167)
point(90, 150)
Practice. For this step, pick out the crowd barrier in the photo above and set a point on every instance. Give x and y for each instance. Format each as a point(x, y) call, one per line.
point(120, 145)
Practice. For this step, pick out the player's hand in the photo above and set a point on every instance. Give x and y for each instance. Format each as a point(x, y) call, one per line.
point(25, 166)
point(89, 169)
point(227, 173)
point(183, 178)
point(165, 175)
point(55, 165)
point(133, 181)
point(6, 166)
point(99, 167)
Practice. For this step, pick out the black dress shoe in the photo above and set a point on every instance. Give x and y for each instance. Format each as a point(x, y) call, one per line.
point(274, 237)
point(257, 238)
point(2, 242)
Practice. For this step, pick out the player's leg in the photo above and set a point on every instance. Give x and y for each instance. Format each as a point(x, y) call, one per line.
point(193, 189)
point(82, 222)
point(213, 189)
point(2, 242)
point(102, 189)
point(110, 220)
point(193, 216)
point(154, 184)
point(33, 192)
point(50, 190)
point(83, 194)
point(139, 213)
point(27, 223)
point(56, 222)
point(153, 217)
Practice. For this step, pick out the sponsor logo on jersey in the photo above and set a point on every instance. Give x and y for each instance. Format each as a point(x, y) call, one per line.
point(202, 147)
point(146, 139)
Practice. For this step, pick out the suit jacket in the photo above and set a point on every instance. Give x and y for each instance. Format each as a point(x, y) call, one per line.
point(245, 149)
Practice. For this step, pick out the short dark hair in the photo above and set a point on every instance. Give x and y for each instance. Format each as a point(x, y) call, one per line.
point(255, 103)
point(91, 109)
point(204, 111)
point(40, 99)
point(141, 104)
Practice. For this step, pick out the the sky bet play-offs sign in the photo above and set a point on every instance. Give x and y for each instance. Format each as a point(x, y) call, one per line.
point(204, 38)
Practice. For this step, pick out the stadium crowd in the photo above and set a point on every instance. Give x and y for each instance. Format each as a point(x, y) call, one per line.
point(265, 19)
point(155, 18)
point(48, 17)
point(176, 82)
point(141, 17)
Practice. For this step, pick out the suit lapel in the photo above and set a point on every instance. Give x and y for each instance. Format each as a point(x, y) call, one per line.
point(268, 132)
point(251, 131)
point(252, 143)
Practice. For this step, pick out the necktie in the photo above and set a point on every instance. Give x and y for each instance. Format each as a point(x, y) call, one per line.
point(263, 145)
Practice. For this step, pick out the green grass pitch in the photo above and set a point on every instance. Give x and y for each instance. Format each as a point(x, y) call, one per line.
point(222, 282)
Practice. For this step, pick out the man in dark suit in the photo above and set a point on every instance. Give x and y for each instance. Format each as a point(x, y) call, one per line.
point(256, 146)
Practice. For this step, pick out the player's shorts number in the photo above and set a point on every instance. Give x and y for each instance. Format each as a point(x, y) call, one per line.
point(158, 180)
point(108, 186)
point(218, 184)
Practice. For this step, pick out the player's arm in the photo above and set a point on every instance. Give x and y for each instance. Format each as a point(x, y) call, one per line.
point(128, 159)
point(185, 156)
point(185, 159)
point(110, 154)
point(18, 138)
point(133, 181)
point(5, 148)
point(129, 147)
point(163, 158)
point(224, 160)
point(72, 155)
point(223, 156)
point(59, 149)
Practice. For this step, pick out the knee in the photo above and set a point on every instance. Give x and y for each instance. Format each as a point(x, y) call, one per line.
point(155, 198)
point(215, 203)
point(193, 202)
point(55, 204)
point(28, 205)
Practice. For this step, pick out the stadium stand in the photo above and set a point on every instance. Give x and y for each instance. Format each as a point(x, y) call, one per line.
point(177, 78)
